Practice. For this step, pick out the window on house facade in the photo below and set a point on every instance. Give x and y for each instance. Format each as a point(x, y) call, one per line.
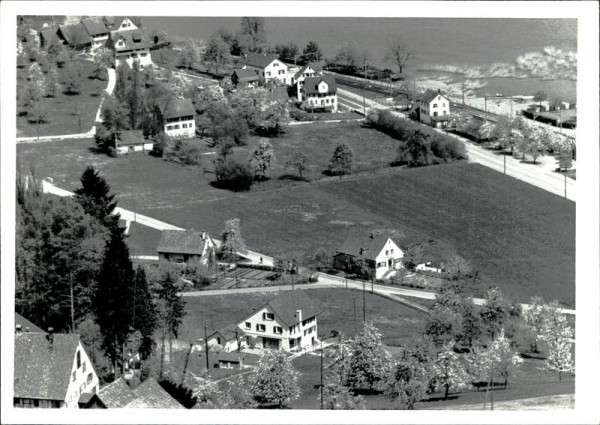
point(281, 71)
point(176, 127)
point(83, 367)
point(74, 375)
point(435, 105)
point(169, 127)
point(392, 251)
point(219, 340)
point(443, 105)
point(90, 377)
point(78, 355)
point(247, 325)
point(435, 114)
point(184, 125)
point(260, 328)
point(268, 316)
point(268, 73)
point(387, 252)
point(277, 330)
point(144, 54)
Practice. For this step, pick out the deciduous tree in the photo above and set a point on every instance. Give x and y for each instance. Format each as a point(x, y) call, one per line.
point(298, 162)
point(274, 379)
point(398, 53)
point(72, 77)
point(407, 384)
point(448, 371)
point(52, 82)
point(312, 51)
point(232, 239)
point(251, 36)
point(262, 159)
point(187, 56)
point(339, 397)
point(216, 54)
point(494, 312)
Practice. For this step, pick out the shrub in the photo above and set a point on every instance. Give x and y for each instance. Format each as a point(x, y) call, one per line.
point(447, 148)
point(341, 160)
point(299, 115)
point(234, 175)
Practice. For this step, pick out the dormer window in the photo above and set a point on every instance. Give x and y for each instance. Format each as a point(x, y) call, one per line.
point(268, 316)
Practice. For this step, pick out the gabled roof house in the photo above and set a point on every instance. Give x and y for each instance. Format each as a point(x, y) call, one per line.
point(244, 77)
point(287, 322)
point(149, 394)
point(319, 93)
point(182, 246)
point(178, 117)
point(432, 109)
point(378, 251)
point(267, 67)
point(51, 370)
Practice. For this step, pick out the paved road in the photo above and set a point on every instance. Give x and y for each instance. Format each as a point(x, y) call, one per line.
point(112, 79)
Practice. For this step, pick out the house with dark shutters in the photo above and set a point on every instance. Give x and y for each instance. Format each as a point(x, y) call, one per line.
point(178, 117)
point(432, 109)
point(319, 93)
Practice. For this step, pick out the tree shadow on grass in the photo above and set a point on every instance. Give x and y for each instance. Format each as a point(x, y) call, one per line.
point(293, 177)
point(439, 398)
point(94, 94)
point(229, 186)
point(529, 161)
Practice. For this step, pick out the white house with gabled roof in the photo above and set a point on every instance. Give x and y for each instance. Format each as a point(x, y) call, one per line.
point(432, 109)
point(267, 67)
point(287, 322)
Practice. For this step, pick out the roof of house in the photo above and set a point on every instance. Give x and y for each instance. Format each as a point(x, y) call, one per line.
point(259, 60)
point(49, 33)
point(94, 27)
point(76, 32)
point(311, 84)
point(227, 332)
point(133, 39)
point(285, 306)
point(363, 245)
point(181, 242)
point(280, 93)
point(231, 356)
point(316, 66)
point(151, 395)
point(26, 325)
point(114, 21)
point(116, 394)
point(246, 75)
point(131, 137)
point(431, 94)
point(43, 369)
point(175, 108)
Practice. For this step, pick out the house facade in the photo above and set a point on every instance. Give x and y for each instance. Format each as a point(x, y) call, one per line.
point(182, 246)
point(244, 78)
point(178, 118)
point(267, 67)
point(288, 322)
point(227, 338)
point(433, 109)
point(131, 46)
point(310, 70)
point(379, 252)
point(98, 31)
point(51, 370)
point(319, 93)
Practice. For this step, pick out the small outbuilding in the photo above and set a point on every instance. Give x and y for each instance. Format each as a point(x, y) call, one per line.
point(131, 141)
point(244, 78)
point(182, 246)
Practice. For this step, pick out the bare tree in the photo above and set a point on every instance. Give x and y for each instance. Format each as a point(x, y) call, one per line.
point(399, 53)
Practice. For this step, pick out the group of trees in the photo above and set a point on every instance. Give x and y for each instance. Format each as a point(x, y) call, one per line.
point(529, 139)
point(74, 273)
point(418, 146)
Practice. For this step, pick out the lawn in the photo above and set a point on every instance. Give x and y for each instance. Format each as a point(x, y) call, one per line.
point(397, 323)
point(518, 237)
point(67, 114)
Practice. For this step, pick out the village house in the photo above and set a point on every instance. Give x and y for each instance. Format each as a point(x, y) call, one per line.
point(178, 117)
point(310, 70)
point(379, 252)
point(130, 141)
point(183, 246)
point(267, 67)
point(243, 78)
point(97, 30)
point(149, 394)
point(319, 93)
point(227, 338)
point(231, 360)
point(51, 370)
point(119, 23)
point(130, 43)
point(75, 36)
point(287, 322)
point(432, 109)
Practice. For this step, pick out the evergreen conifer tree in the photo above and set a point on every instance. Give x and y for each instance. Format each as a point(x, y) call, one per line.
point(144, 316)
point(95, 198)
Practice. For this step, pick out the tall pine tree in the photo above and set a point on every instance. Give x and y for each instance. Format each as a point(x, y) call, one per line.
point(95, 198)
point(144, 315)
point(113, 300)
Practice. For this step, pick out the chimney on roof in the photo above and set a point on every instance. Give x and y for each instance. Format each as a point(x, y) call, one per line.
point(50, 336)
point(203, 235)
point(18, 328)
point(439, 91)
point(299, 316)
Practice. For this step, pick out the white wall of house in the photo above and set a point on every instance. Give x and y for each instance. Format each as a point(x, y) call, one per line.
point(308, 72)
point(227, 346)
point(389, 259)
point(439, 106)
point(323, 98)
point(186, 128)
point(83, 378)
point(145, 147)
point(99, 41)
point(302, 334)
point(142, 56)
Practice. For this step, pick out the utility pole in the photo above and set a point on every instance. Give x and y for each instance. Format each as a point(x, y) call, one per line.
point(504, 155)
point(321, 375)
point(364, 304)
point(73, 302)
point(354, 304)
point(206, 347)
point(364, 88)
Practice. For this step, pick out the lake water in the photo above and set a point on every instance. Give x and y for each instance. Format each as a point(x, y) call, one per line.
point(443, 41)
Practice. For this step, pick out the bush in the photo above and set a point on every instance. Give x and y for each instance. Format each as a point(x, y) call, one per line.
point(299, 115)
point(447, 148)
point(234, 175)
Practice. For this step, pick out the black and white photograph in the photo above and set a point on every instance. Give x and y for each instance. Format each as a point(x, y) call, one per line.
point(316, 206)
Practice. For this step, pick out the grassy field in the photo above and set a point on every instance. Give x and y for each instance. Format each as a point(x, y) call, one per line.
point(65, 112)
point(519, 237)
point(396, 322)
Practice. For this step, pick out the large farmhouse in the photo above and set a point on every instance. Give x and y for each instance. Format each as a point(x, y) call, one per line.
point(178, 117)
point(51, 370)
point(182, 246)
point(379, 252)
point(288, 322)
point(131, 46)
point(433, 109)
